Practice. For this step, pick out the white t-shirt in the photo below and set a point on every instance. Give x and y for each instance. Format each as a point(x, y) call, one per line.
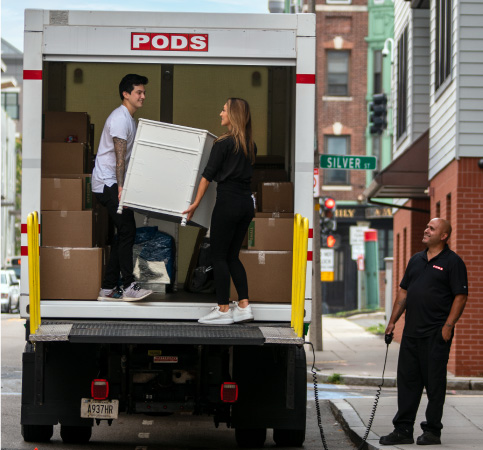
point(120, 124)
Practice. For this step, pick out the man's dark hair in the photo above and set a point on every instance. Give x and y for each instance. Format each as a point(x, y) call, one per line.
point(129, 81)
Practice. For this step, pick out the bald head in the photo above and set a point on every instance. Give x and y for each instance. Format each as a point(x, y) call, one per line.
point(437, 233)
point(445, 227)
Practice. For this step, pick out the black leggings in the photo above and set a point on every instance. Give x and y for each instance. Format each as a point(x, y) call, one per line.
point(231, 217)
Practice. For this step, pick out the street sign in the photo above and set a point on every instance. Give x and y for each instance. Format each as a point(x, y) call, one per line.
point(347, 162)
point(327, 264)
point(356, 241)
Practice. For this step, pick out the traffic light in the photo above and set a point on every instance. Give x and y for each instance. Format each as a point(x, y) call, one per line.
point(378, 108)
point(328, 222)
point(333, 241)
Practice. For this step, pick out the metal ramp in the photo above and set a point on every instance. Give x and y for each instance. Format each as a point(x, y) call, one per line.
point(139, 332)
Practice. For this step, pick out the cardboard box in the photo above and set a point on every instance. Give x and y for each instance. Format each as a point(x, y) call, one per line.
point(270, 234)
point(60, 125)
point(265, 175)
point(276, 197)
point(68, 229)
point(61, 194)
point(274, 215)
point(86, 180)
point(70, 273)
point(269, 276)
point(62, 158)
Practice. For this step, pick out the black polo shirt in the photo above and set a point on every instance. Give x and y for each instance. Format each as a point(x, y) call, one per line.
point(432, 286)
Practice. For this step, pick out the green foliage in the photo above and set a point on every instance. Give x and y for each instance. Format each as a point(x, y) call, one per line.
point(335, 378)
point(378, 329)
point(354, 312)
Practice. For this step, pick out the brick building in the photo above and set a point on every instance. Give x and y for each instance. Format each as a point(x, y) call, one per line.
point(438, 168)
point(344, 88)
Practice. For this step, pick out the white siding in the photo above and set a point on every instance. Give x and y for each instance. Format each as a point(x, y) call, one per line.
point(443, 106)
point(470, 81)
point(421, 73)
point(417, 22)
point(402, 14)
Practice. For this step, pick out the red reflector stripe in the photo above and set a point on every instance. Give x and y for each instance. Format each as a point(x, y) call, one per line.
point(32, 74)
point(309, 256)
point(23, 228)
point(311, 233)
point(24, 250)
point(305, 78)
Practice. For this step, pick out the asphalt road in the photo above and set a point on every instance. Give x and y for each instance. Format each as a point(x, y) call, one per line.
point(143, 432)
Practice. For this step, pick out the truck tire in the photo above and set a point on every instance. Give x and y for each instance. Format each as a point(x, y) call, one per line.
point(289, 438)
point(37, 433)
point(75, 434)
point(250, 437)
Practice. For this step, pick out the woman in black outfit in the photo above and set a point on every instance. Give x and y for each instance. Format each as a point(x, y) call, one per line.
point(230, 165)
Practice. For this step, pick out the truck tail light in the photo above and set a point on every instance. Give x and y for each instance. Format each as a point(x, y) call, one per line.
point(229, 392)
point(99, 389)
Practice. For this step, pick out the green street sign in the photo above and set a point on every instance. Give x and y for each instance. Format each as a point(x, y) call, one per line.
point(347, 162)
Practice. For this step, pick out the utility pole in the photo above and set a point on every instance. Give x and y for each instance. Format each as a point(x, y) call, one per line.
point(315, 330)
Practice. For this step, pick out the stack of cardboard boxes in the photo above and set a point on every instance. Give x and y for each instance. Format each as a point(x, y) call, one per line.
point(268, 257)
point(73, 226)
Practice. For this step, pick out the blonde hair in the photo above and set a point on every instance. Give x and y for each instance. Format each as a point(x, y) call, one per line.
point(238, 112)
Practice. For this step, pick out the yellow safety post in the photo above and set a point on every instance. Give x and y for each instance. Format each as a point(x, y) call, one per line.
point(302, 267)
point(296, 231)
point(34, 270)
point(299, 268)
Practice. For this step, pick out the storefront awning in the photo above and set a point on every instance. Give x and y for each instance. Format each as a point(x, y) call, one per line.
point(406, 176)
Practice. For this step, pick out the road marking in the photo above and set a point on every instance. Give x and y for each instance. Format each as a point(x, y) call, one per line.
point(143, 435)
point(148, 422)
point(141, 448)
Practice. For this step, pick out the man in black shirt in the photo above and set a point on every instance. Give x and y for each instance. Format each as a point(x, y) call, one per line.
point(433, 292)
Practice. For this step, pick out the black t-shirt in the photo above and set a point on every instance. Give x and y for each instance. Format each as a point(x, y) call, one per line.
point(227, 168)
point(432, 286)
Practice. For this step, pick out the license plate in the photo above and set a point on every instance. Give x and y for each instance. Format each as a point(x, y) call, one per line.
point(99, 409)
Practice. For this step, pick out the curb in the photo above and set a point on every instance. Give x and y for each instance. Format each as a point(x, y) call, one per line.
point(456, 384)
point(352, 424)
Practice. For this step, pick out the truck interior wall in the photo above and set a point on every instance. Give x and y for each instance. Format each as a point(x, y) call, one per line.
point(201, 91)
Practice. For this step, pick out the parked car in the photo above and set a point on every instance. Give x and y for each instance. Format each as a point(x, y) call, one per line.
point(10, 291)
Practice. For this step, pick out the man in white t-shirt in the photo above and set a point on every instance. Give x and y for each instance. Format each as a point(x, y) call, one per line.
point(113, 154)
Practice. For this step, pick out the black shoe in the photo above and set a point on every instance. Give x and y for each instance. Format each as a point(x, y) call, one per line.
point(395, 438)
point(428, 438)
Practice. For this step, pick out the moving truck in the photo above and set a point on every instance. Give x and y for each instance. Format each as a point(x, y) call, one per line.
point(91, 362)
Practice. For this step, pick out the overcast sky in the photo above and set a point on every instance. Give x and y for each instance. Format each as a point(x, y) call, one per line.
point(13, 10)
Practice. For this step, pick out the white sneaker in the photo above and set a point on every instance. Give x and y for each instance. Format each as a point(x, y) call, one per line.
point(134, 293)
point(242, 314)
point(217, 317)
point(110, 295)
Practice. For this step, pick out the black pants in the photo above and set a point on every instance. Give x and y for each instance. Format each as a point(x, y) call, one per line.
point(121, 257)
point(231, 216)
point(422, 364)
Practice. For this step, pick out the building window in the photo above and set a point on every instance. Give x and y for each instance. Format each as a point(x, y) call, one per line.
point(385, 243)
point(377, 72)
point(443, 41)
point(337, 145)
point(10, 104)
point(448, 207)
point(337, 72)
point(402, 83)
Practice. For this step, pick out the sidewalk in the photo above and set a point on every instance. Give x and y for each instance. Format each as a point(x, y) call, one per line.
point(358, 357)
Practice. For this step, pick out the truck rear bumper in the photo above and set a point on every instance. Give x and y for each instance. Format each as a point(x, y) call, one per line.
point(164, 332)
